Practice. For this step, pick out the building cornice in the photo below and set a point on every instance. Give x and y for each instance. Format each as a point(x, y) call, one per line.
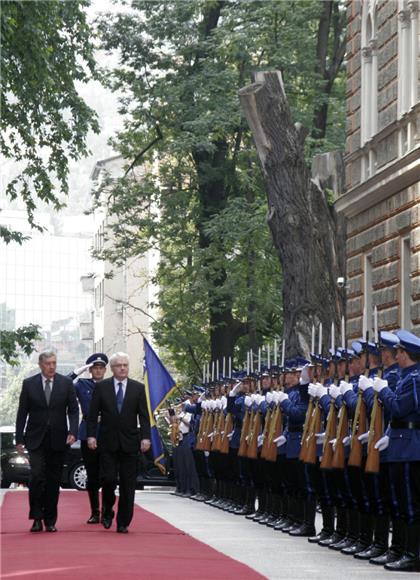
point(393, 178)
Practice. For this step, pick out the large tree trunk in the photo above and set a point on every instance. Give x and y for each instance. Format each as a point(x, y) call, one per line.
point(302, 223)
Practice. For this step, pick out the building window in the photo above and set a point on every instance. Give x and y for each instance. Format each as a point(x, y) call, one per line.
point(369, 81)
point(405, 314)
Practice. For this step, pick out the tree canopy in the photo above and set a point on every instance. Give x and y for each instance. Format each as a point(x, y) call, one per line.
point(201, 202)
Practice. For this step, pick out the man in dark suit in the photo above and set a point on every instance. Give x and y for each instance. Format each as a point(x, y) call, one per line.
point(46, 401)
point(121, 404)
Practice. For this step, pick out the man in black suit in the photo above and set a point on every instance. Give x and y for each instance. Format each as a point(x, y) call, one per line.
point(121, 404)
point(46, 401)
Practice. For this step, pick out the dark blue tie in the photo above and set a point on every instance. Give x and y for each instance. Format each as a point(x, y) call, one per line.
point(120, 397)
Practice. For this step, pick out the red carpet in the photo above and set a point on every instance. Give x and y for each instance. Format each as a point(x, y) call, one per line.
point(152, 550)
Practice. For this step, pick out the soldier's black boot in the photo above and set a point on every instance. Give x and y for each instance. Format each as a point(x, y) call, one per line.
point(410, 560)
point(249, 503)
point(275, 511)
point(365, 536)
point(260, 509)
point(396, 549)
point(347, 529)
point(236, 498)
point(298, 514)
point(308, 526)
point(284, 519)
point(268, 507)
point(327, 526)
point(380, 542)
point(95, 517)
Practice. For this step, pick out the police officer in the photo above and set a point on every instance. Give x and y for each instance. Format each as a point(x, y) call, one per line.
point(96, 364)
point(402, 440)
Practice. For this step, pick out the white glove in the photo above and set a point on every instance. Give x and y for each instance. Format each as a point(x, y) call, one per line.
point(335, 391)
point(204, 405)
point(312, 390)
point(304, 376)
point(364, 437)
point(379, 384)
point(282, 396)
point(201, 397)
point(206, 453)
point(276, 397)
point(235, 389)
point(345, 387)
point(82, 369)
point(279, 441)
point(320, 438)
point(260, 440)
point(248, 401)
point(219, 404)
point(382, 443)
point(365, 383)
point(212, 405)
point(261, 398)
point(269, 397)
point(347, 441)
point(254, 397)
point(321, 390)
point(224, 402)
point(333, 442)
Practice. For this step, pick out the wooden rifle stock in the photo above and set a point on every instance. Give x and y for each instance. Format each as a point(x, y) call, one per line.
point(200, 438)
point(376, 430)
point(306, 425)
point(252, 451)
point(243, 444)
point(342, 431)
point(359, 427)
point(330, 433)
point(215, 444)
point(310, 442)
point(175, 433)
point(274, 432)
point(266, 431)
point(227, 430)
point(209, 429)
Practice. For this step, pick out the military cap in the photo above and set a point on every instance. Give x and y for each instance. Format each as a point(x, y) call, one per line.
point(99, 358)
point(408, 341)
point(388, 339)
point(357, 347)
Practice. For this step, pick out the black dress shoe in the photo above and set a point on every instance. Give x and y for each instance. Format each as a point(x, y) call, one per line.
point(107, 520)
point(50, 528)
point(407, 563)
point(122, 529)
point(370, 552)
point(332, 540)
point(94, 519)
point(389, 556)
point(37, 526)
point(303, 531)
point(354, 548)
point(323, 535)
point(344, 543)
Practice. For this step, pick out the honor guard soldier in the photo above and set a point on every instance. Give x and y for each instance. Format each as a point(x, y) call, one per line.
point(96, 365)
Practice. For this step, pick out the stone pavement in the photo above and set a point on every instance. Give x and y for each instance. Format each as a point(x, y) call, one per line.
point(273, 554)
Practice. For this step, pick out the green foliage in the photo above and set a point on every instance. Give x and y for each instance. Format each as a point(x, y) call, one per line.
point(47, 48)
point(10, 395)
point(200, 200)
point(11, 341)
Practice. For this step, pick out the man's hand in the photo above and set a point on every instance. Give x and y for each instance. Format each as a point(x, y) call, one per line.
point(379, 384)
point(20, 448)
point(145, 445)
point(382, 444)
point(92, 444)
point(365, 383)
point(70, 439)
point(82, 369)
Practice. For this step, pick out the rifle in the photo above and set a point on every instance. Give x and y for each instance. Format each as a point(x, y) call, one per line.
point(359, 424)
point(266, 431)
point(376, 426)
point(276, 428)
point(201, 431)
point(215, 444)
point(175, 432)
point(209, 429)
point(342, 431)
point(243, 444)
point(314, 427)
point(252, 451)
point(227, 430)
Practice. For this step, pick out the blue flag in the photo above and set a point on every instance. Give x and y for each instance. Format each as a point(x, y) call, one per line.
point(159, 386)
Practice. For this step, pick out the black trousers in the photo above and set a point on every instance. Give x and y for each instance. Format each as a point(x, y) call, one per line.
point(91, 461)
point(44, 486)
point(118, 467)
point(405, 481)
point(185, 471)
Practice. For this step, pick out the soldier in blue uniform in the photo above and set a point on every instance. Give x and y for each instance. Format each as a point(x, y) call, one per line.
point(96, 364)
point(402, 440)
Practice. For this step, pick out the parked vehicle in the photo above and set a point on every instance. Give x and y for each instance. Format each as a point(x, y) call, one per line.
point(15, 466)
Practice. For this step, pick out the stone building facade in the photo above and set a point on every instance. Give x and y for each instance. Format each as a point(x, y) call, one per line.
point(382, 165)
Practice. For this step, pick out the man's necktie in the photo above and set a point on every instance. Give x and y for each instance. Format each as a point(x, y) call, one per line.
point(120, 397)
point(47, 391)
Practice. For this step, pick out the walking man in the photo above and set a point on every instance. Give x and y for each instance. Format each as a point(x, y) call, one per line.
point(121, 404)
point(47, 401)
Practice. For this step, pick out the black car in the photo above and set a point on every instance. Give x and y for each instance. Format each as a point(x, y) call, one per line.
point(15, 466)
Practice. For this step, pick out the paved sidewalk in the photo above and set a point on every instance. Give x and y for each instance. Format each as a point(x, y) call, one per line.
point(273, 554)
